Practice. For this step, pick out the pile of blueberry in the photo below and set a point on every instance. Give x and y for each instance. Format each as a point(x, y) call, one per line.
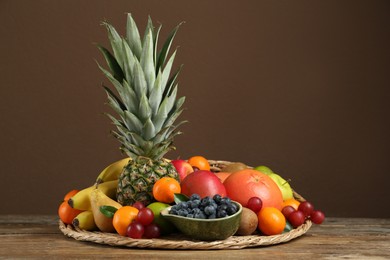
point(206, 208)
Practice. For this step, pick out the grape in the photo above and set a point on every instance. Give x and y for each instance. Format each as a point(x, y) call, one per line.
point(286, 211)
point(317, 216)
point(152, 231)
point(255, 204)
point(296, 218)
point(145, 216)
point(306, 207)
point(135, 230)
point(138, 205)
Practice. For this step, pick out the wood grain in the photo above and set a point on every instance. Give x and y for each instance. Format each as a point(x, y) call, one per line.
point(24, 236)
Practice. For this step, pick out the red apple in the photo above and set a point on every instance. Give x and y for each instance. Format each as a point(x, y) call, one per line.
point(183, 168)
point(203, 183)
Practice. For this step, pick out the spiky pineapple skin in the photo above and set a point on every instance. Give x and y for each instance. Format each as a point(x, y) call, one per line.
point(138, 177)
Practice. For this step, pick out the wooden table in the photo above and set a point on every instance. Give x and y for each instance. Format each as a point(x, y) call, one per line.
point(24, 236)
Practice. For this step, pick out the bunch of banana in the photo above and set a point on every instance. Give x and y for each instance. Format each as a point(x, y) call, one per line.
point(106, 183)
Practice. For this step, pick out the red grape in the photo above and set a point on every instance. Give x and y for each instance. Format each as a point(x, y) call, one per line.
point(135, 230)
point(286, 211)
point(145, 216)
point(296, 218)
point(255, 204)
point(306, 207)
point(138, 205)
point(152, 231)
point(317, 216)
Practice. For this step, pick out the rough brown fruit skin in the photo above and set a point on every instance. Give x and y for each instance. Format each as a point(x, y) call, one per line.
point(248, 223)
point(234, 167)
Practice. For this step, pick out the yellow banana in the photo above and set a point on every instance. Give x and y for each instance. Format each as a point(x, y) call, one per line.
point(81, 200)
point(112, 171)
point(85, 221)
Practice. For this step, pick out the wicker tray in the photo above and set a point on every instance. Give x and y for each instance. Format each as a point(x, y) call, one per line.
point(179, 241)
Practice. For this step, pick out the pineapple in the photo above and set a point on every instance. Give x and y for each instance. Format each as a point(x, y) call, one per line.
point(146, 103)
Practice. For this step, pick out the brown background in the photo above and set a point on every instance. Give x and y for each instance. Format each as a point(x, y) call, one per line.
point(300, 86)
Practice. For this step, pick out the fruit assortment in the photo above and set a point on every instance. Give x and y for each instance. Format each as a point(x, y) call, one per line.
point(96, 208)
point(129, 195)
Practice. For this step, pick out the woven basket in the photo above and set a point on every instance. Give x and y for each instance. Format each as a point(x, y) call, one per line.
point(179, 241)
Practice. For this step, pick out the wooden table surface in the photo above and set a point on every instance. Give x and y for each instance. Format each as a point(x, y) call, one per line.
point(24, 236)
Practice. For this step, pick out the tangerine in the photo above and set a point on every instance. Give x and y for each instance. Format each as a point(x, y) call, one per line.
point(199, 162)
point(70, 194)
point(123, 218)
point(67, 213)
point(271, 221)
point(165, 188)
point(291, 202)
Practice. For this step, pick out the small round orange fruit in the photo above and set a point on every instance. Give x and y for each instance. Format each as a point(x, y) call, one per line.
point(67, 213)
point(199, 162)
point(70, 194)
point(123, 218)
point(165, 188)
point(271, 221)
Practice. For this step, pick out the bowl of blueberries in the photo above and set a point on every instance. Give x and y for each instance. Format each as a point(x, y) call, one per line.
point(207, 219)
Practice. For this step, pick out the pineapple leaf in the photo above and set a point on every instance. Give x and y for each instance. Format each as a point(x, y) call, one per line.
point(167, 70)
point(112, 63)
point(165, 49)
point(155, 44)
point(130, 98)
point(132, 36)
point(144, 109)
point(130, 60)
point(114, 104)
point(132, 122)
point(148, 130)
point(149, 27)
point(156, 94)
point(116, 44)
point(114, 81)
point(140, 85)
point(147, 62)
point(172, 81)
point(114, 97)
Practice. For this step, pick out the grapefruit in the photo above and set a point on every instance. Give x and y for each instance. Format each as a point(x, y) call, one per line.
point(245, 184)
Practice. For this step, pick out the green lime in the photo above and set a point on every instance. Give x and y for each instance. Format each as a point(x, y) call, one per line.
point(166, 226)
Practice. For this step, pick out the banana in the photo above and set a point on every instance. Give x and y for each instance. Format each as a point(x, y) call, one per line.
point(81, 200)
point(112, 171)
point(85, 221)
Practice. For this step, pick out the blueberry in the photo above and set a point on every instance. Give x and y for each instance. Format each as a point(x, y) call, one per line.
point(195, 197)
point(231, 209)
point(194, 203)
point(217, 198)
point(196, 211)
point(184, 205)
point(183, 212)
point(206, 201)
point(213, 216)
point(226, 200)
point(200, 215)
point(190, 215)
point(209, 210)
point(221, 213)
point(222, 207)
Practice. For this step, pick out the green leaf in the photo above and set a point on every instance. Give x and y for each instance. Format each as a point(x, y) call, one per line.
point(132, 36)
point(116, 44)
point(148, 130)
point(165, 49)
point(156, 94)
point(112, 63)
point(179, 197)
point(147, 60)
point(167, 70)
point(129, 61)
point(140, 85)
point(108, 211)
point(144, 109)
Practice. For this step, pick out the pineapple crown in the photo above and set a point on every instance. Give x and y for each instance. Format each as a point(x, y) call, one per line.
point(145, 97)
